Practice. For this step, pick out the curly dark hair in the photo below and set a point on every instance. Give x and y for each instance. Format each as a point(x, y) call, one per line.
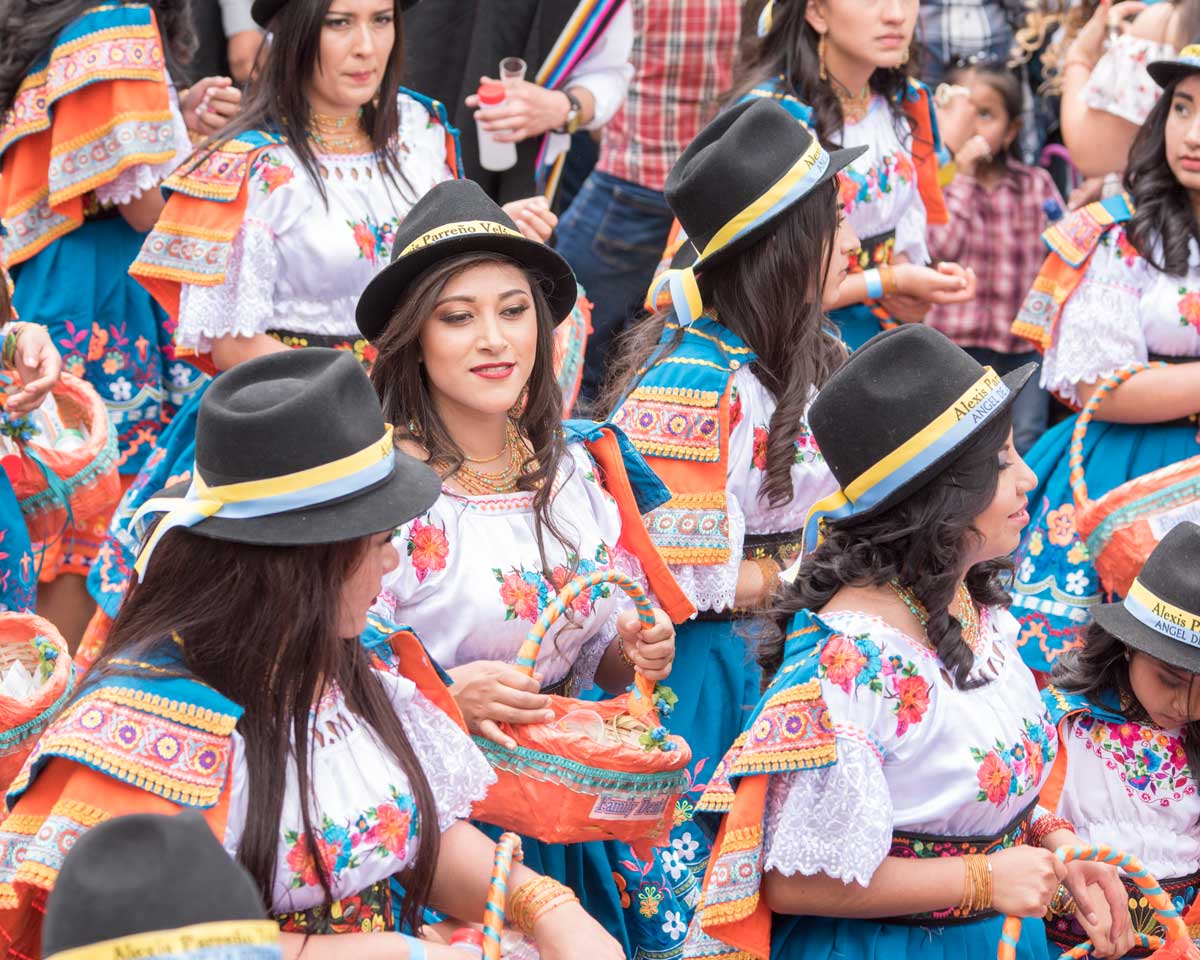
point(789, 52)
point(922, 541)
point(30, 29)
point(1162, 205)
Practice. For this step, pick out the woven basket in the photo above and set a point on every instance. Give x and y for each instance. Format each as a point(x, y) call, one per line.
point(1177, 942)
point(57, 488)
point(562, 786)
point(1125, 525)
point(37, 644)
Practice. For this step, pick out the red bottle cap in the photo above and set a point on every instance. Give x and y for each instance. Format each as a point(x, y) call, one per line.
point(467, 935)
point(491, 94)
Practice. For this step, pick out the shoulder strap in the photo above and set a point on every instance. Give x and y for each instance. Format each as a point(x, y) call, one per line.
point(776, 90)
point(929, 153)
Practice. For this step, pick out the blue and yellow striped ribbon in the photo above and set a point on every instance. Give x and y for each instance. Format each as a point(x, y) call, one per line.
point(1163, 617)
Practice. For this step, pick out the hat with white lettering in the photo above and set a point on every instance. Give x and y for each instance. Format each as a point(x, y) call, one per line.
point(1160, 614)
point(454, 218)
point(895, 414)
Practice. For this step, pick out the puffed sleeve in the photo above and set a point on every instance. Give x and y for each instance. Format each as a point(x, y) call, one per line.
point(1120, 84)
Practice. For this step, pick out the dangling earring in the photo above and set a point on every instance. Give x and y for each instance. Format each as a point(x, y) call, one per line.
point(904, 59)
point(822, 72)
point(515, 411)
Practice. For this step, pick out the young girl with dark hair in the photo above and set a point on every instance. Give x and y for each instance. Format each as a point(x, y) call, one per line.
point(1120, 286)
point(878, 803)
point(997, 208)
point(234, 683)
point(1128, 713)
point(841, 68)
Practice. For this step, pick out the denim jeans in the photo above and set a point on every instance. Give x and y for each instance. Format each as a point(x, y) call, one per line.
point(1031, 409)
point(613, 236)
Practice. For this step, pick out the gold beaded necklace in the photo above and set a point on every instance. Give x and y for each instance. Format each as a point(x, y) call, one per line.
point(854, 107)
point(480, 483)
point(340, 135)
point(968, 613)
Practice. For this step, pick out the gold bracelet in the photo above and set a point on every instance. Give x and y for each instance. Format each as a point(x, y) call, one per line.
point(768, 569)
point(625, 658)
point(533, 899)
point(977, 885)
point(888, 278)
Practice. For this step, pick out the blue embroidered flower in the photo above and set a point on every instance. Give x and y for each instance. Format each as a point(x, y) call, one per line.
point(871, 668)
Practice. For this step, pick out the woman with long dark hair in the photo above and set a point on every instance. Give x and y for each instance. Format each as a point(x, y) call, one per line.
point(463, 321)
point(878, 804)
point(91, 126)
point(841, 68)
point(234, 683)
point(713, 390)
point(281, 220)
point(1120, 286)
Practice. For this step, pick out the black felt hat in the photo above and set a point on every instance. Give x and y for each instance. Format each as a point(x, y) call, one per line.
point(150, 874)
point(303, 426)
point(897, 412)
point(1166, 72)
point(1160, 614)
point(453, 218)
point(754, 161)
point(263, 10)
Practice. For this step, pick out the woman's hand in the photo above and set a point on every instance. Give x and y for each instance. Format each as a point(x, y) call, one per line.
point(1099, 922)
point(38, 367)
point(1101, 903)
point(569, 933)
point(652, 649)
point(1024, 879)
point(489, 692)
point(1088, 44)
point(533, 217)
point(209, 104)
point(529, 110)
point(947, 283)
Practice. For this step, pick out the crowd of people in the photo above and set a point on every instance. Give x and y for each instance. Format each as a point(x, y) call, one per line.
point(832, 360)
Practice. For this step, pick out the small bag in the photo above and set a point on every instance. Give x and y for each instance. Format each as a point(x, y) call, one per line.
point(60, 487)
point(36, 645)
point(560, 784)
point(1124, 526)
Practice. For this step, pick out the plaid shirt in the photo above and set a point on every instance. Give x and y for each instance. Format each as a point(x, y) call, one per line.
point(997, 232)
point(962, 28)
point(682, 59)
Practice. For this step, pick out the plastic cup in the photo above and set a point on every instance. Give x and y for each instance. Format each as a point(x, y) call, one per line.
point(512, 69)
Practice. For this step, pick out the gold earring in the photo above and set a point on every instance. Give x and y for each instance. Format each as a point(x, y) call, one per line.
point(822, 72)
point(904, 59)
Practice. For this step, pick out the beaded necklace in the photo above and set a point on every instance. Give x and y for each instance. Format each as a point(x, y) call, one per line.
point(968, 613)
point(340, 135)
point(854, 107)
point(478, 482)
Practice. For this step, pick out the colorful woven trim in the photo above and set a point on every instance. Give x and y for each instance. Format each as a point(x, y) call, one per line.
point(678, 424)
point(108, 42)
point(719, 794)
point(32, 848)
point(691, 528)
point(221, 940)
point(219, 174)
point(731, 888)
point(793, 731)
point(1074, 237)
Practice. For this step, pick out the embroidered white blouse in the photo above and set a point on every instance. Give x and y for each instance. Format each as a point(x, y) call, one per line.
point(298, 264)
point(364, 808)
point(1122, 310)
point(915, 753)
point(471, 581)
point(1119, 83)
point(1130, 786)
point(879, 190)
point(751, 408)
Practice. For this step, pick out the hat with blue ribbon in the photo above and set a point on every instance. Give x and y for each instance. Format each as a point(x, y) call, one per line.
point(292, 449)
point(894, 416)
point(1166, 72)
point(731, 185)
point(1160, 614)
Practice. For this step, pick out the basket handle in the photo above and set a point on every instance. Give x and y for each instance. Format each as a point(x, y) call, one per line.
point(507, 849)
point(1075, 459)
point(528, 654)
point(1163, 908)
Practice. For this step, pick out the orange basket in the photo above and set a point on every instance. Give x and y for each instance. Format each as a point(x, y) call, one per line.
point(1125, 525)
point(58, 488)
point(562, 784)
point(37, 645)
point(1177, 941)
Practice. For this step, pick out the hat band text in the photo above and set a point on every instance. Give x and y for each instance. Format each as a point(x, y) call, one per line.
point(464, 228)
point(1165, 618)
point(223, 940)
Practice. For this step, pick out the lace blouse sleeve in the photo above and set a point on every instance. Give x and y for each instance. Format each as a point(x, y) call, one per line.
point(1120, 85)
point(712, 586)
point(1099, 330)
point(911, 229)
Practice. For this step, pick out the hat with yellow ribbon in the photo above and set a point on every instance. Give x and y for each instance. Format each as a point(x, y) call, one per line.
point(1160, 614)
point(731, 185)
point(454, 218)
point(1186, 63)
point(292, 449)
point(895, 415)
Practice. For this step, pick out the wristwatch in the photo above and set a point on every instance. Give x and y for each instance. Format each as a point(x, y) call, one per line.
point(571, 124)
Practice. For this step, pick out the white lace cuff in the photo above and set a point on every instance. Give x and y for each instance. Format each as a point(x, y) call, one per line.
point(457, 772)
point(243, 305)
point(132, 182)
point(836, 820)
point(712, 587)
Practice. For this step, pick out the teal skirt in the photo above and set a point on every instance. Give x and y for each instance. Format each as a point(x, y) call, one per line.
point(856, 324)
point(825, 938)
point(18, 573)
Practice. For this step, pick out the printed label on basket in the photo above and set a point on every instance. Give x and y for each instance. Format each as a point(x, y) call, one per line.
point(629, 808)
point(1162, 523)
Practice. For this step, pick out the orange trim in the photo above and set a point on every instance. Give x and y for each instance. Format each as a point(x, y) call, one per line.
point(925, 158)
point(414, 663)
point(1053, 787)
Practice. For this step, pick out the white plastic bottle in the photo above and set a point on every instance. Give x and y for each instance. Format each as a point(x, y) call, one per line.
point(493, 155)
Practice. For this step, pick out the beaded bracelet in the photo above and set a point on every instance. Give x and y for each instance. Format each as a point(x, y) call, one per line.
point(533, 899)
point(888, 278)
point(625, 658)
point(1043, 826)
point(768, 569)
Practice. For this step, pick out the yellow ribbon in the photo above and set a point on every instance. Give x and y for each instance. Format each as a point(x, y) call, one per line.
point(225, 938)
point(463, 228)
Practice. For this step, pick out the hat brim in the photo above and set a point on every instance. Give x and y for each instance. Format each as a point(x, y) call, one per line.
point(379, 300)
point(1127, 628)
point(411, 489)
point(1166, 72)
point(261, 11)
point(838, 161)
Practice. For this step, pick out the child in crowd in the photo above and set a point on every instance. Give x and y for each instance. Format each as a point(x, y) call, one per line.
point(998, 208)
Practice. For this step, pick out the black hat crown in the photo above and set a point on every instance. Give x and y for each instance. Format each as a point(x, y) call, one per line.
point(145, 873)
point(1184, 64)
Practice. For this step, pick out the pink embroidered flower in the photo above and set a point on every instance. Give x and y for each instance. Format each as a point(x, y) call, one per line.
point(520, 595)
point(843, 661)
point(364, 237)
point(914, 701)
point(1127, 733)
point(1060, 525)
point(1189, 309)
point(994, 778)
point(1036, 760)
point(735, 408)
point(392, 829)
point(301, 863)
point(761, 435)
point(1126, 249)
point(275, 176)
point(427, 549)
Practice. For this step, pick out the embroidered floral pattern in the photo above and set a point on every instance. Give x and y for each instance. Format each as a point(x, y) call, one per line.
point(272, 173)
point(761, 436)
point(882, 178)
point(428, 548)
point(374, 240)
point(1151, 764)
point(525, 593)
point(1189, 308)
point(1012, 770)
point(735, 408)
point(1060, 525)
point(854, 662)
point(806, 447)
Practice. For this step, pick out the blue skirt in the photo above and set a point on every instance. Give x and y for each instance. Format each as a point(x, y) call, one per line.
point(18, 573)
point(826, 938)
point(856, 324)
point(108, 329)
point(1056, 584)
